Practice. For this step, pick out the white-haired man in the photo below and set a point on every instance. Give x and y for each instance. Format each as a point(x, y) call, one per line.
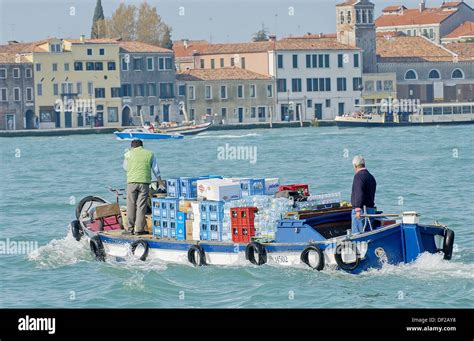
point(363, 193)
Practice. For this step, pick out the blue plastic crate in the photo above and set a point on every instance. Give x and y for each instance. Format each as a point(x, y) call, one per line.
point(168, 207)
point(211, 230)
point(212, 210)
point(250, 187)
point(188, 187)
point(173, 188)
point(157, 231)
point(156, 208)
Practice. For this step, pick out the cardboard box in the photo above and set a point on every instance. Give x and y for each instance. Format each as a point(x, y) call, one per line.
point(218, 189)
point(271, 185)
point(186, 206)
point(148, 219)
point(189, 229)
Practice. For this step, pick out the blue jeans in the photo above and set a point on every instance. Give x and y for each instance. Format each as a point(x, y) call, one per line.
point(358, 224)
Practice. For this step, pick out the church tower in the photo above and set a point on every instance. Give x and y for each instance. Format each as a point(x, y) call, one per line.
point(356, 27)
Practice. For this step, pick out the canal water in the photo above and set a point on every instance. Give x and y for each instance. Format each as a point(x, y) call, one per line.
point(425, 169)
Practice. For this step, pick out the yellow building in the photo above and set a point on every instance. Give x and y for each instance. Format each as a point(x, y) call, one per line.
point(77, 82)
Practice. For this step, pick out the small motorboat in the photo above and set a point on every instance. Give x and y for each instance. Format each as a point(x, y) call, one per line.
point(187, 129)
point(146, 134)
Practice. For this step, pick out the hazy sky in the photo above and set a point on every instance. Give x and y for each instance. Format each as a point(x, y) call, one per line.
point(218, 21)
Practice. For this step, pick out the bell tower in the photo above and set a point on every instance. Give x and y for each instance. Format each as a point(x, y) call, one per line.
point(356, 28)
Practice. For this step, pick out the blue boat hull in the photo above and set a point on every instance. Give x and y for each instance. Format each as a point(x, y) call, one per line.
point(147, 136)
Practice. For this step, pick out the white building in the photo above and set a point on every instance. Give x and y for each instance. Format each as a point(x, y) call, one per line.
point(315, 78)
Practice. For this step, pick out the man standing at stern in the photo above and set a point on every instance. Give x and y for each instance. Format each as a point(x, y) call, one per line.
point(139, 163)
point(363, 194)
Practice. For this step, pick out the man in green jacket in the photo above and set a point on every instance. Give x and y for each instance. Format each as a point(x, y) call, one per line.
point(139, 163)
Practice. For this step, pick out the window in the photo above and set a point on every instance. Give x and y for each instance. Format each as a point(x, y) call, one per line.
point(269, 90)
point(169, 63)
point(349, 17)
point(111, 66)
point(281, 85)
point(99, 66)
point(341, 17)
point(66, 66)
point(38, 67)
point(309, 103)
point(341, 109)
point(112, 114)
point(55, 48)
point(149, 64)
point(209, 111)
point(369, 86)
point(296, 85)
point(253, 112)
point(356, 83)
point(223, 92)
point(388, 85)
point(90, 88)
point(89, 66)
point(358, 16)
point(39, 89)
point(222, 62)
point(411, 74)
point(152, 110)
point(202, 63)
point(78, 66)
point(16, 73)
point(89, 52)
point(3, 95)
point(63, 88)
point(139, 110)
point(16, 94)
point(340, 60)
point(137, 64)
point(140, 90)
point(208, 92)
point(55, 89)
point(242, 62)
point(457, 74)
point(232, 61)
point(192, 114)
point(212, 64)
point(152, 89)
point(166, 90)
point(326, 61)
point(100, 92)
point(434, 74)
point(280, 61)
point(192, 94)
point(102, 52)
point(55, 66)
point(224, 112)
point(312, 84)
point(308, 61)
point(295, 61)
point(79, 88)
point(321, 60)
point(240, 91)
point(378, 86)
point(342, 84)
point(356, 60)
point(127, 90)
point(328, 84)
point(3, 73)
point(124, 64)
point(181, 90)
point(114, 92)
point(253, 91)
point(28, 73)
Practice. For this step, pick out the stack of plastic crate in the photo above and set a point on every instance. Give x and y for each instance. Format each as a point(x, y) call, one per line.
point(212, 217)
point(186, 187)
point(164, 212)
point(251, 187)
point(243, 223)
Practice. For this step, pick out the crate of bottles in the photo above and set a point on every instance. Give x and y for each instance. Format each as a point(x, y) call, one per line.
point(211, 230)
point(240, 216)
point(250, 187)
point(172, 188)
point(165, 208)
point(168, 228)
point(212, 210)
point(301, 188)
point(242, 234)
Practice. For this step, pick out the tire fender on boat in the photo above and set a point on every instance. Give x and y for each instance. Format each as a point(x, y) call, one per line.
point(254, 249)
point(83, 201)
point(196, 250)
point(146, 248)
point(448, 244)
point(76, 230)
point(338, 256)
point(97, 248)
point(305, 257)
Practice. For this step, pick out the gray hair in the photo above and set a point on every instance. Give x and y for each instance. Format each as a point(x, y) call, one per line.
point(358, 161)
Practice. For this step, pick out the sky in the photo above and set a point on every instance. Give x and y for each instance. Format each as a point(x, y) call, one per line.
point(218, 21)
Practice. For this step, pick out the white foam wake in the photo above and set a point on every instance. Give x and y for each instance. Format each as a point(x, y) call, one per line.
point(204, 136)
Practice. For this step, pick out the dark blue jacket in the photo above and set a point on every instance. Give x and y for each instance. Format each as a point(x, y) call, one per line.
point(363, 190)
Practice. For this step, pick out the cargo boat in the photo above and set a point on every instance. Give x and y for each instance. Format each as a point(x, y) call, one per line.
point(317, 239)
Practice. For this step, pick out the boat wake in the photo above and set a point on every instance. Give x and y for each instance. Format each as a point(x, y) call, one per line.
point(207, 136)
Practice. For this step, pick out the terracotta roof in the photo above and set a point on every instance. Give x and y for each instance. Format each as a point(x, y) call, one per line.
point(410, 49)
point(450, 4)
point(465, 51)
point(311, 44)
point(22, 47)
point(137, 46)
point(92, 41)
point(348, 2)
point(462, 31)
point(413, 16)
point(229, 73)
point(314, 36)
point(261, 46)
point(12, 58)
point(181, 51)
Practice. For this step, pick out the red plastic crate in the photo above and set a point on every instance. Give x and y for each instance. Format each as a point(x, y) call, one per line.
point(242, 234)
point(240, 216)
point(295, 188)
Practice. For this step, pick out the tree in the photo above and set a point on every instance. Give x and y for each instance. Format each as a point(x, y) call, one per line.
point(166, 39)
point(261, 35)
point(98, 22)
point(122, 24)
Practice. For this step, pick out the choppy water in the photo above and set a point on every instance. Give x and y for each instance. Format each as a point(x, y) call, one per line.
point(427, 169)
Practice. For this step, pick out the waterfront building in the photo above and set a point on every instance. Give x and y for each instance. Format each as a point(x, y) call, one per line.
point(433, 23)
point(185, 50)
point(463, 33)
point(148, 83)
point(378, 87)
point(16, 92)
point(228, 95)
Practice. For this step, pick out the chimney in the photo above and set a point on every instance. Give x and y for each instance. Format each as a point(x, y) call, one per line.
point(272, 38)
point(82, 39)
point(422, 5)
point(186, 43)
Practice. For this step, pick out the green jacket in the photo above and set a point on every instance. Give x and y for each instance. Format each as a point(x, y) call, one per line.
point(138, 164)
